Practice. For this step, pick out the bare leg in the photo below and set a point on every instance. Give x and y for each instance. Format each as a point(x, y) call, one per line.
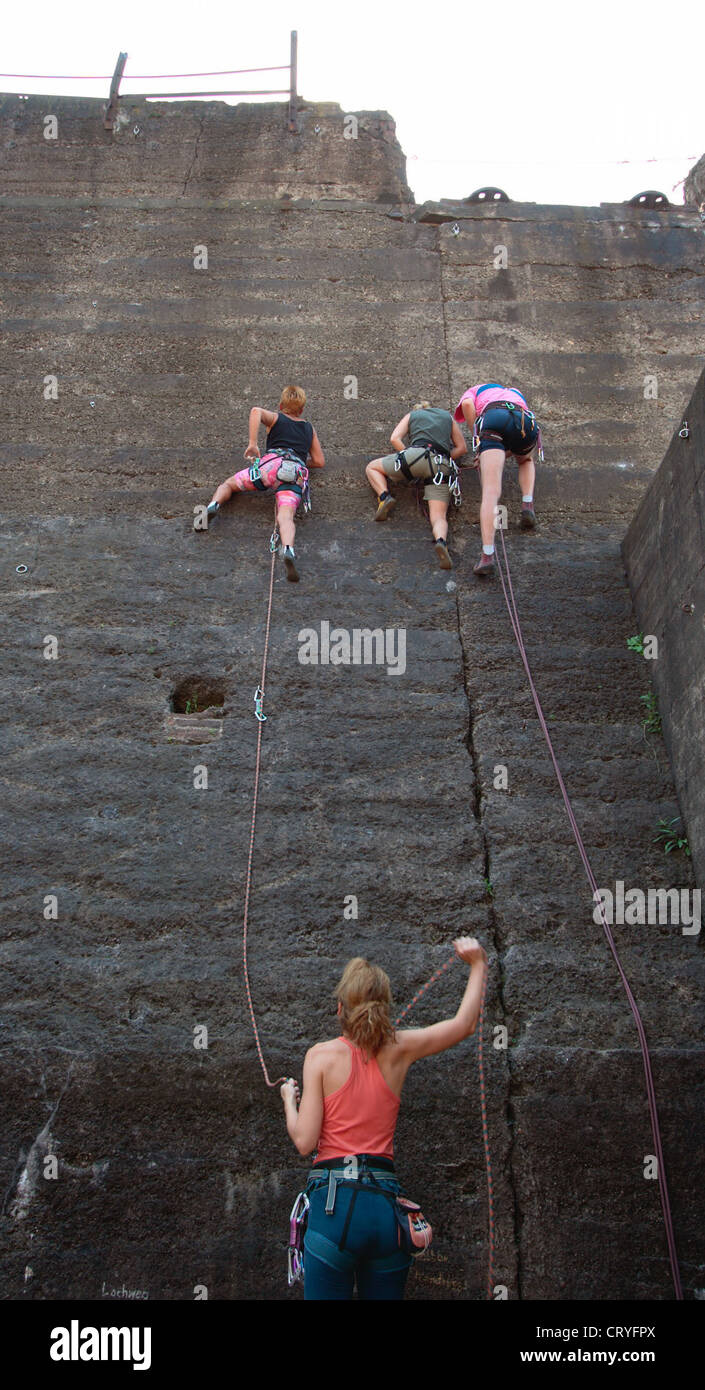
point(285, 522)
point(376, 477)
point(526, 469)
point(491, 468)
point(225, 491)
point(438, 517)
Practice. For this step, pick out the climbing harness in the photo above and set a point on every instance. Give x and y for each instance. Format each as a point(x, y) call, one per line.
point(510, 601)
point(291, 474)
point(414, 1231)
point(261, 719)
point(437, 462)
point(512, 406)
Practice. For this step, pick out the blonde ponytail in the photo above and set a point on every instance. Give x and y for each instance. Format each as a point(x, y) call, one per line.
point(365, 996)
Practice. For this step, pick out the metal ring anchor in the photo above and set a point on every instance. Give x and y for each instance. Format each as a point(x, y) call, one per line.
point(684, 433)
point(21, 569)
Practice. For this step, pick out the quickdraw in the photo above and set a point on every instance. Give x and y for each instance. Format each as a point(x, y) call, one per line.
point(259, 696)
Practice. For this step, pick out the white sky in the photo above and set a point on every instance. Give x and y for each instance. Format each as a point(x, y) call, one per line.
point(552, 105)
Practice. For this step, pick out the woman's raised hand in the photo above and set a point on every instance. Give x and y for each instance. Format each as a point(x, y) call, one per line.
point(290, 1091)
point(470, 950)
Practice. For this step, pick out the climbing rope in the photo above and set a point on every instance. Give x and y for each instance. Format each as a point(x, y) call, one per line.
point(435, 976)
point(483, 1108)
point(510, 601)
point(261, 719)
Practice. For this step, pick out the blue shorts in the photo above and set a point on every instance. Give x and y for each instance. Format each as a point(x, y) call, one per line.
point(501, 428)
point(371, 1257)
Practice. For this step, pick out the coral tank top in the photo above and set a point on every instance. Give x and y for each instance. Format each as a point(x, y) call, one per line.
point(361, 1116)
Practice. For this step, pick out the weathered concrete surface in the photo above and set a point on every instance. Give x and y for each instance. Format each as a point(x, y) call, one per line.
point(174, 1168)
point(694, 186)
point(664, 551)
point(199, 149)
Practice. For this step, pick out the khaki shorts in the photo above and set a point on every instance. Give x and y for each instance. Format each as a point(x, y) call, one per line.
point(420, 467)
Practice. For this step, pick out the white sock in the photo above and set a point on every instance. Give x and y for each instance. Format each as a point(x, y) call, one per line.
point(530, 498)
point(488, 550)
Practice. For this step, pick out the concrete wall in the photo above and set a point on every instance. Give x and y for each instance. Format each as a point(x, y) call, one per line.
point(174, 1165)
point(664, 552)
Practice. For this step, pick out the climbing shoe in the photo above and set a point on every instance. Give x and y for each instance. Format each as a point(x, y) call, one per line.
point(384, 507)
point(212, 508)
point(485, 565)
point(287, 554)
point(528, 516)
point(444, 559)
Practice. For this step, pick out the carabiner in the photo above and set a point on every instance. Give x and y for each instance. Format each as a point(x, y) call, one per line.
point(259, 696)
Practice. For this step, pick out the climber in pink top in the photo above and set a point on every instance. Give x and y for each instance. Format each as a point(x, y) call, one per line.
point(502, 424)
point(348, 1112)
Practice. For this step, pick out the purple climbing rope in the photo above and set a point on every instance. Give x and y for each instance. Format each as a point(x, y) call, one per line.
point(510, 601)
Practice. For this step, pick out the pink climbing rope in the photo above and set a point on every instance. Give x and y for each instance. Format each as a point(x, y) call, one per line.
point(435, 976)
point(510, 601)
point(248, 878)
point(483, 1108)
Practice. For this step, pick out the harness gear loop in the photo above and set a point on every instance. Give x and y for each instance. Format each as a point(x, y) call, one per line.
point(510, 601)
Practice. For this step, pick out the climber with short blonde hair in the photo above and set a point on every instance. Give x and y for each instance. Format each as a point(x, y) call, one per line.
point(291, 443)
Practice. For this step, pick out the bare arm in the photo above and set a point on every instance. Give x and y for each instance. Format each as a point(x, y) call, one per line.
point(397, 437)
point(426, 1042)
point(460, 448)
point(258, 416)
point(304, 1121)
point(315, 453)
point(469, 411)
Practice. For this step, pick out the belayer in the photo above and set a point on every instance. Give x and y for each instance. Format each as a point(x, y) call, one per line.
point(502, 424)
point(291, 443)
point(430, 457)
point(357, 1224)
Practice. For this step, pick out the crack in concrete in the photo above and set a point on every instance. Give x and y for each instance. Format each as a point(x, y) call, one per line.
point(194, 156)
point(492, 923)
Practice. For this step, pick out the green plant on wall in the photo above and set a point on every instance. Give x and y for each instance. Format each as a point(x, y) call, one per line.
point(672, 838)
point(636, 644)
point(652, 719)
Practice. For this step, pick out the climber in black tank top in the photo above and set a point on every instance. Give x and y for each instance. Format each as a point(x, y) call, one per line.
point(292, 446)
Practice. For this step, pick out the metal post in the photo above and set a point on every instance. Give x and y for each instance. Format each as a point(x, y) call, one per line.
point(114, 97)
point(293, 119)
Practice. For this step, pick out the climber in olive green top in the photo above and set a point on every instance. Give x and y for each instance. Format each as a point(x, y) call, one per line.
point(435, 443)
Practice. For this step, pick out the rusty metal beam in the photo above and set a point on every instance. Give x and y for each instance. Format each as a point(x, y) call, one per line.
point(114, 97)
point(293, 117)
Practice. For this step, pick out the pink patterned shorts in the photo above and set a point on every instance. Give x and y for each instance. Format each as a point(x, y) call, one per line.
point(269, 463)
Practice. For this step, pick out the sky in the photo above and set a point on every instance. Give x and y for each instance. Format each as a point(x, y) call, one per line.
point(552, 104)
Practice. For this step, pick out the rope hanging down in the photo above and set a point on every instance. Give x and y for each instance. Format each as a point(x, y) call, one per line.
point(483, 1109)
point(510, 601)
point(261, 719)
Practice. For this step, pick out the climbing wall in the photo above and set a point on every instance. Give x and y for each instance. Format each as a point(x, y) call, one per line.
point(380, 829)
